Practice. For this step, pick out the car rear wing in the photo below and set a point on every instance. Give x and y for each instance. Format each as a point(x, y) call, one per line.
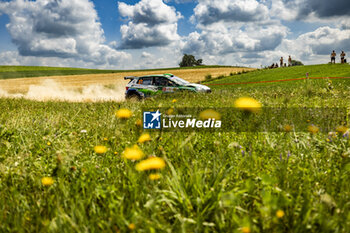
point(168, 74)
point(129, 77)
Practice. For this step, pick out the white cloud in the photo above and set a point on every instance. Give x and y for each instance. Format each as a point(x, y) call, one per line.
point(146, 55)
point(252, 32)
point(316, 47)
point(14, 58)
point(213, 11)
point(231, 39)
point(311, 48)
point(151, 12)
point(232, 28)
point(135, 36)
point(285, 10)
point(230, 32)
point(63, 29)
point(152, 62)
point(345, 23)
point(151, 23)
point(180, 1)
point(309, 9)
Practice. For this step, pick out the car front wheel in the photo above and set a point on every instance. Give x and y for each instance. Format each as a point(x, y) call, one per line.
point(134, 97)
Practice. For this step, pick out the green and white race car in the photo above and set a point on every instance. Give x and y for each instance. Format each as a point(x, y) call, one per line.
point(146, 86)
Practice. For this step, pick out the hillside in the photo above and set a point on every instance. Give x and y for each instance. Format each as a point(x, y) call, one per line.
point(326, 70)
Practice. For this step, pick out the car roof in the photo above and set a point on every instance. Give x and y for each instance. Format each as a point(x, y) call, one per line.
point(158, 75)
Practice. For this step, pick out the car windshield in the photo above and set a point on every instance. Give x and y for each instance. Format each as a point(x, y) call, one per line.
point(178, 80)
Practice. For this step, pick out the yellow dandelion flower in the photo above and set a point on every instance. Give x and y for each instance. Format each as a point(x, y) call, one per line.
point(150, 163)
point(341, 129)
point(123, 113)
point(100, 149)
point(170, 111)
point(48, 143)
point(248, 104)
point(313, 129)
point(154, 176)
point(115, 153)
point(105, 139)
point(47, 181)
point(209, 114)
point(245, 230)
point(288, 128)
point(138, 123)
point(280, 213)
point(133, 153)
point(174, 101)
point(144, 138)
point(131, 226)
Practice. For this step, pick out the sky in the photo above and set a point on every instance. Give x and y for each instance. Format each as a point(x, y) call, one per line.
point(141, 34)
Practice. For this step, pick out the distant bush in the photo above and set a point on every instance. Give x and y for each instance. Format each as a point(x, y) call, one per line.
point(208, 77)
point(297, 63)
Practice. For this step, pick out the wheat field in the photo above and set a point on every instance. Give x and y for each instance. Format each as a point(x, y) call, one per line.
point(21, 85)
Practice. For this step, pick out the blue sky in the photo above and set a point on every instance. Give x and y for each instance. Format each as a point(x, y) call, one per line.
point(137, 34)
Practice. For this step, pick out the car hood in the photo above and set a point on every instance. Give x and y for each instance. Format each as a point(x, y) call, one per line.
point(198, 87)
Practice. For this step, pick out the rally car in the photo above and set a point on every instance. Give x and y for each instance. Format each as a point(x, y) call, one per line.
point(146, 86)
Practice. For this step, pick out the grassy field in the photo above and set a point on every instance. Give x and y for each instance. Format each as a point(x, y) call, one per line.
point(211, 182)
point(335, 70)
point(9, 72)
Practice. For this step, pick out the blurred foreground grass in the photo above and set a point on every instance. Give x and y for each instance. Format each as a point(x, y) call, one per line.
point(212, 181)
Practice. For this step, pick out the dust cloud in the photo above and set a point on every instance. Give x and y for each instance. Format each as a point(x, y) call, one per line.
point(51, 90)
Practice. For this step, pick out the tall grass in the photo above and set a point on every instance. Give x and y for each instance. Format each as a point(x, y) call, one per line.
point(212, 182)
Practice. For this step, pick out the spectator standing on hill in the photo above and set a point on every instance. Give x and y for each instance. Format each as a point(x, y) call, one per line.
point(281, 62)
point(342, 57)
point(333, 54)
point(289, 61)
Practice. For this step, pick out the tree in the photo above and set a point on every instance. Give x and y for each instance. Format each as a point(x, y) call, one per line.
point(297, 63)
point(190, 60)
point(199, 62)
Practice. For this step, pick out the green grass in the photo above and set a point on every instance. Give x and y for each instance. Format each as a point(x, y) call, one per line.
point(8, 72)
point(213, 181)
